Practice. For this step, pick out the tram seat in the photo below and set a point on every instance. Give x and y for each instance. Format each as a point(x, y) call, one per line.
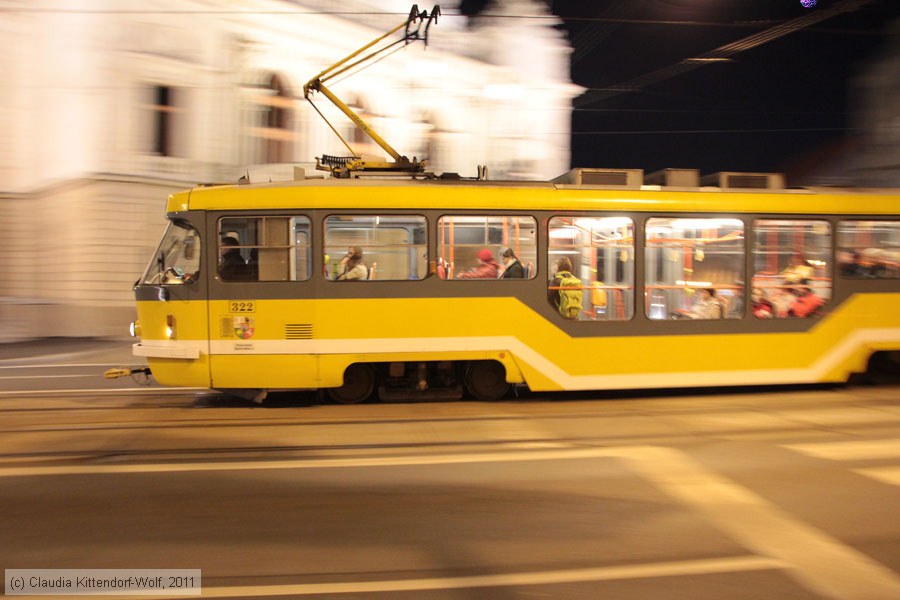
point(371, 272)
point(529, 270)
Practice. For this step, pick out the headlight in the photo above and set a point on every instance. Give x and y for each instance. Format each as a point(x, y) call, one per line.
point(135, 329)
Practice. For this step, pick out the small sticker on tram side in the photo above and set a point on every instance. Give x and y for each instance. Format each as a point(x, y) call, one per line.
point(242, 306)
point(243, 328)
point(243, 346)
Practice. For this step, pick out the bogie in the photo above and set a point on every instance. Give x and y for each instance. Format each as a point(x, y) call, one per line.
point(359, 383)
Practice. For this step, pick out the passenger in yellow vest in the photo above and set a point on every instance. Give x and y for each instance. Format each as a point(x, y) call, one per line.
point(799, 271)
point(565, 291)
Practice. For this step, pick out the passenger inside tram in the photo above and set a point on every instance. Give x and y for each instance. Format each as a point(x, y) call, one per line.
point(805, 303)
point(707, 305)
point(487, 267)
point(798, 271)
point(353, 267)
point(231, 263)
point(512, 268)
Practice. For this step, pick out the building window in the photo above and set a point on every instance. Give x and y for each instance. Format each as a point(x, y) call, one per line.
point(791, 268)
point(271, 130)
point(486, 247)
point(694, 268)
point(375, 247)
point(600, 251)
point(163, 114)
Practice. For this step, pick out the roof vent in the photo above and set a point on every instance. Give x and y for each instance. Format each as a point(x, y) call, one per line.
point(631, 178)
point(674, 178)
point(755, 181)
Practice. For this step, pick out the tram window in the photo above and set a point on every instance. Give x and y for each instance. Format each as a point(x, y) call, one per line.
point(601, 250)
point(270, 248)
point(869, 249)
point(791, 268)
point(486, 247)
point(177, 260)
point(695, 268)
point(393, 246)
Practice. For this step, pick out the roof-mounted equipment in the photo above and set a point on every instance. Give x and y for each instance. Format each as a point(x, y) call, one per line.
point(759, 181)
point(415, 28)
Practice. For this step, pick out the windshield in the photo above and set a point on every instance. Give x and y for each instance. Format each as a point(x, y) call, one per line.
point(177, 260)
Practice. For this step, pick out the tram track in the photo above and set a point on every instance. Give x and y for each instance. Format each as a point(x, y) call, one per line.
point(669, 401)
point(162, 441)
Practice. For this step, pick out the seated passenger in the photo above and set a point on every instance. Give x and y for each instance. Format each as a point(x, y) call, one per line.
point(514, 269)
point(353, 267)
point(762, 307)
point(487, 267)
point(799, 271)
point(231, 265)
point(806, 303)
point(441, 268)
point(707, 305)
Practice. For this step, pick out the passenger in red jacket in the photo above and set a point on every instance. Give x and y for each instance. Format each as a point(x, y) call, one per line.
point(806, 304)
point(487, 267)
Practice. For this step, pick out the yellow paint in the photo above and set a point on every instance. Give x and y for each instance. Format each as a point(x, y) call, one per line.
point(417, 196)
point(191, 321)
point(340, 326)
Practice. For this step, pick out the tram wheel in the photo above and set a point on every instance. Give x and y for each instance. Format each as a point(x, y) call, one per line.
point(486, 380)
point(359, 383)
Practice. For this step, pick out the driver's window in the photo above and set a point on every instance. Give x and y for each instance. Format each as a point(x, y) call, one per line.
point(177, 260)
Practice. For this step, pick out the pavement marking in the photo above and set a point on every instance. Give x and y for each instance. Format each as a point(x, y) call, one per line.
point(72, 376)
point(638, 571)
point(889, 475)
point(316, 463)
point(76, 391)
point(60, 365)
point(817, 560)
point(853, 450)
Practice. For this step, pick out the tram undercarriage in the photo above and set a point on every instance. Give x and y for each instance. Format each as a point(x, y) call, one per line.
point(404, 382)
point(411, 381)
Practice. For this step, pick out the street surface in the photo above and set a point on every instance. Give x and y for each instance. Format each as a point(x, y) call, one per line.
point(756, 494)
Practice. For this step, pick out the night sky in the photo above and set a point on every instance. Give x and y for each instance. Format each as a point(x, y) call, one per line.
point(782, 106)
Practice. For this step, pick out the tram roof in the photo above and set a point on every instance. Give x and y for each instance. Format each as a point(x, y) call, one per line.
point(530, 196)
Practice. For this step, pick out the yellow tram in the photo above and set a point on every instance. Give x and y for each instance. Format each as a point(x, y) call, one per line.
point(387, 280)
point(417, 324)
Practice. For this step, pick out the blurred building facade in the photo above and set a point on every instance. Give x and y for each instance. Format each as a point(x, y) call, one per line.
point(875, 162)
point(110, 105)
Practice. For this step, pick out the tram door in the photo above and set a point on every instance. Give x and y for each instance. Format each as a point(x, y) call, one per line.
point(261, 303)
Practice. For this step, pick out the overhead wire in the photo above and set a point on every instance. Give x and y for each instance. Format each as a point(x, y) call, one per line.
point(721, 53)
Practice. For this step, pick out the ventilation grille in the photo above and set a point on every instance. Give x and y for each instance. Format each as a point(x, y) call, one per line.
point(751, 181)
point(298, 331)
point(631, 178)
point(610, 178)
